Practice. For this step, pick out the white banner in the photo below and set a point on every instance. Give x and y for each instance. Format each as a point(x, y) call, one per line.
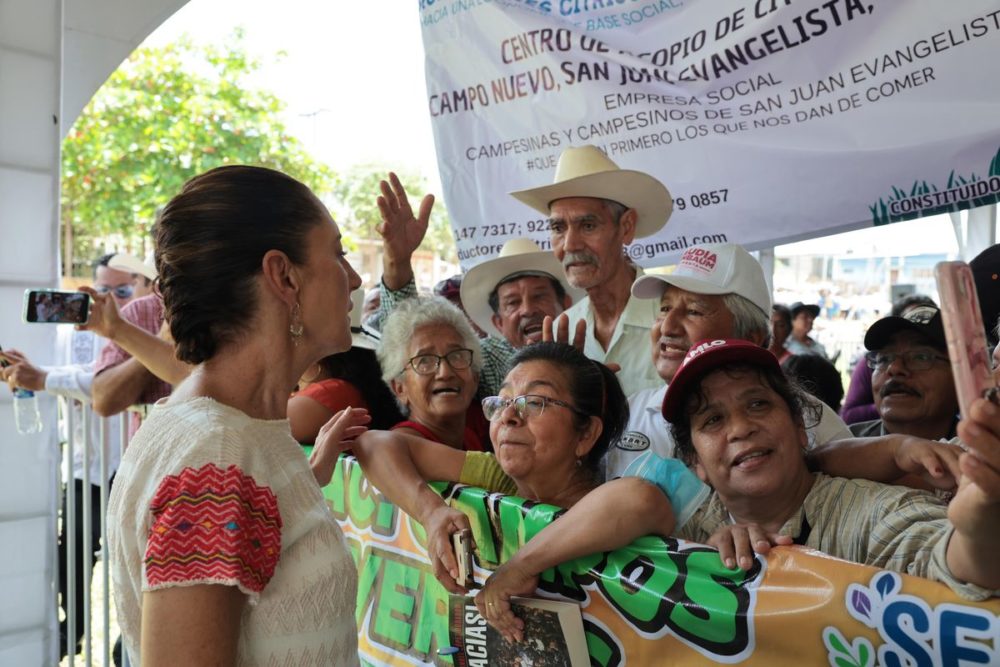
point(769, 120)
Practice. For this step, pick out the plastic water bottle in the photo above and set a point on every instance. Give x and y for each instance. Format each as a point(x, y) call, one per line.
point(26, 416)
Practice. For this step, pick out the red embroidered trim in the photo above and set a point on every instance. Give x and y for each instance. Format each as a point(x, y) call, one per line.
point(213, 524)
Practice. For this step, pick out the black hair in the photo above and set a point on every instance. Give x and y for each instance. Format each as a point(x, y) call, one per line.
point(803, 410)
point(494, 298)
point(102, 261)
point(783, 311)
point(818, 376)
point(594, 391)
point(360, 367)
point(210, 242)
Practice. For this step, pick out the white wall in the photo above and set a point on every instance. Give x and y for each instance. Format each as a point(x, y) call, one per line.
point(29, 176)
point(47, 48)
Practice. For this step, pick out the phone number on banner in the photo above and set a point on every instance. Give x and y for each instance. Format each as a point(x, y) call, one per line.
point(703, 199)
point(501, 229)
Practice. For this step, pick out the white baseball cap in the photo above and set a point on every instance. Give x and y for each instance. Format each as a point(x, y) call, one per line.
point(123, 261)
point(712, 269)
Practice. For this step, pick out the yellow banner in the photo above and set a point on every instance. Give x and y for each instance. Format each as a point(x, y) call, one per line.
point(658, 600)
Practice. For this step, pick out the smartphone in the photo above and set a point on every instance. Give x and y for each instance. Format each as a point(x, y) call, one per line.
point(462, 543)
point(965, 333)
point(56, 307)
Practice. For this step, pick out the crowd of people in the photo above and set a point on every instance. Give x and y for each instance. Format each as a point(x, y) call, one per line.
point(681, 403)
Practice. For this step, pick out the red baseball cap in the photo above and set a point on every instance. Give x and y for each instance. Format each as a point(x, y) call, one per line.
point(705, 356)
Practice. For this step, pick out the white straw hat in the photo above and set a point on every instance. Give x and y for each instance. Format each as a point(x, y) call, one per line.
point(586, 171)
point(518, 257)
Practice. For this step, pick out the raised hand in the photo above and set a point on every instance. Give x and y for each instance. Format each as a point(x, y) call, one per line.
point(336, 436)
point(557, 330)
point(401, 232)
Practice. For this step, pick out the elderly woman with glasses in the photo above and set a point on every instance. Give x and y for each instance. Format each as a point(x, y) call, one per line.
point(431, 358)
point(555, 417)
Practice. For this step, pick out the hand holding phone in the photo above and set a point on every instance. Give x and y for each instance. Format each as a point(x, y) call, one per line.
point(462, 543)
point(965, 333)
point(56, 307)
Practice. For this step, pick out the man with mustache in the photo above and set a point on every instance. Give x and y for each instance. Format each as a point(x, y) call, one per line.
point(714, 292)
point(911, 377)
point(508, 296)
point(595, 209)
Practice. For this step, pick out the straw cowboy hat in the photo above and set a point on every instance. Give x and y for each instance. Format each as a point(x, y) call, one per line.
point(586, 171)
point(518, 258)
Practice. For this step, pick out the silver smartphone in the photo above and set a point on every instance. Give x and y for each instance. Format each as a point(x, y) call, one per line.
point(462, 543)
point(49, 306)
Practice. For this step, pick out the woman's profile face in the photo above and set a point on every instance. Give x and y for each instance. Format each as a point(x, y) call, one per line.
point(545, 446)
point(747, 442)
point(445, 392)
point(328, 279)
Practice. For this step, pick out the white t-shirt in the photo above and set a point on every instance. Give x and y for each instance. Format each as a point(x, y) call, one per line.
point(647, 430)
point(207, 495)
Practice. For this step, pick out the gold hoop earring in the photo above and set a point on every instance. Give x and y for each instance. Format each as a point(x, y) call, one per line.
point(296, 328)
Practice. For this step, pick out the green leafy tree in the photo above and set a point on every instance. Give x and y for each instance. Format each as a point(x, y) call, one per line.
point(165, 115)
point(355, 192)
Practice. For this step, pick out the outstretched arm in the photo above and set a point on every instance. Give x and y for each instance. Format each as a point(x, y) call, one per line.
point(399, 465)
point(889, 459)
point(610, 517)
point(154, 352)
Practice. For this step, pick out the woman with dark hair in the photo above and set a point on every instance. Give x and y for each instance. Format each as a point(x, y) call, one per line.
point(737, 420)
point(223, 549)
point(557, 414)
point(350, 379)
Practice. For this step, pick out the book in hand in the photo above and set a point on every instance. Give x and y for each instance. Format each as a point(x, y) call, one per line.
point(553, 635)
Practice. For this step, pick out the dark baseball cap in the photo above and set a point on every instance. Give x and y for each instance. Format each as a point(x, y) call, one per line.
point(986, 273)
point(925, 320)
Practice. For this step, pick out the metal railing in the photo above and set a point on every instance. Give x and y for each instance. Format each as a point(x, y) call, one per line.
point(82, 440)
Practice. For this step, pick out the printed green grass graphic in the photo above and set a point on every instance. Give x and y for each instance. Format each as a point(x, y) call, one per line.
point(882, 216)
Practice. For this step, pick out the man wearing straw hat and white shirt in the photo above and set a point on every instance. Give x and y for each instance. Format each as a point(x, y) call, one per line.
point(595, 209)
point(507, 296)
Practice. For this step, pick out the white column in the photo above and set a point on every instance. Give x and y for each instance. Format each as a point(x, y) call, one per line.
point(30, 52)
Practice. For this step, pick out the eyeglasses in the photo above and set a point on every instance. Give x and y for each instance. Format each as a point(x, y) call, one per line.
point(526, 405)
point(426, 364)
point(122, 291)
point(916, 360)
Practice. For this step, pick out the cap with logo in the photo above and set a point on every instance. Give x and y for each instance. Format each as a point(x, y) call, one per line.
point(986, 274)
point(705, 356)
point(726, 268)
point(924, 320)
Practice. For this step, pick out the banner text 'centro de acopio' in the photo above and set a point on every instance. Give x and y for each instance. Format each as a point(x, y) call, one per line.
point(768, 120)
point(657, 601)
